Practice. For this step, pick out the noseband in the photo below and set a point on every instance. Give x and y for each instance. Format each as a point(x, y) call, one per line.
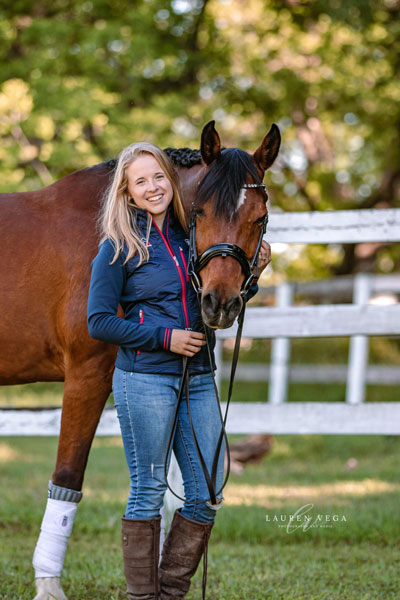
point(197, 263)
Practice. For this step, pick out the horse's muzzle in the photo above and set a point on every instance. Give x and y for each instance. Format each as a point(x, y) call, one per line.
point(218, 314)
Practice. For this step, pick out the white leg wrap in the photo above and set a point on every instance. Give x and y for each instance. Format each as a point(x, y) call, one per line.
point(48, 559)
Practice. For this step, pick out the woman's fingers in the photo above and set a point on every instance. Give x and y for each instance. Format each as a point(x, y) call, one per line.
point(186, 342)
point(190, 351)
point(264, 258)
point(196, 342)
point(194, 348)
point(196, 335)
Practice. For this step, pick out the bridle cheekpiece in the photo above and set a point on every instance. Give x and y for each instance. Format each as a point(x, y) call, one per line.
point(197, 263)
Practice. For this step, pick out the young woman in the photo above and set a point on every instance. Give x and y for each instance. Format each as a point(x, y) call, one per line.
point(142, 266)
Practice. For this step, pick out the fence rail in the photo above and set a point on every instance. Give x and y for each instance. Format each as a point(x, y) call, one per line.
point(244, 418)
point(335, 226)
point(334, 320)
point(340, 287)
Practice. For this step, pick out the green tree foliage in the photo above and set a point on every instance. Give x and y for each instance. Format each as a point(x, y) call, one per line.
point(81, 79)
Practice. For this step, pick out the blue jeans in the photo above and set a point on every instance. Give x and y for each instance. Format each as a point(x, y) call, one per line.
point(146, 406)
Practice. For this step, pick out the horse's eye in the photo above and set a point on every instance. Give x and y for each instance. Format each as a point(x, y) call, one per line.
point(199, 212)
point(260, 221)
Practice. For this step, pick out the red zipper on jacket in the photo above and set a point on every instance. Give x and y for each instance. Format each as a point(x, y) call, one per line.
point(184, 262)
point(170, 250)
point(141, 318)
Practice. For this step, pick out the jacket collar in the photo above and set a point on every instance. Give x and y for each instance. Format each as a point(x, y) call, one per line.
point(141, 217)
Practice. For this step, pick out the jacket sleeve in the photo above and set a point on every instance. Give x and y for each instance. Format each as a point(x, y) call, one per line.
point(106, 287)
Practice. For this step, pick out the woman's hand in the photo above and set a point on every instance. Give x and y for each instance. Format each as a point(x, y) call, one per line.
point(264, 257)
point(186, 342)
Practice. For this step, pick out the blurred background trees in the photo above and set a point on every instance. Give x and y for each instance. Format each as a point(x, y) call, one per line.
point(81, 79)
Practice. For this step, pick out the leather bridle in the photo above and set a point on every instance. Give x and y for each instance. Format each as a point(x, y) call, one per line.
point(197, 263)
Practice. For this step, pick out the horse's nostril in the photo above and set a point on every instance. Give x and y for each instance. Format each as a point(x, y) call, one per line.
point(233, 305)
point(210, 302)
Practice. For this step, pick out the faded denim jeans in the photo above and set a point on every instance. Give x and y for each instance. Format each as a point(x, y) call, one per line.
point(146, 406)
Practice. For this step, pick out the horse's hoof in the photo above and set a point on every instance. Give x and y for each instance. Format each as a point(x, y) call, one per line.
point(49, 588)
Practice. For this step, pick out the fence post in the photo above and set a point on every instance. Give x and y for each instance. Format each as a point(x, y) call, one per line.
point(358, 352)
point(280, 353)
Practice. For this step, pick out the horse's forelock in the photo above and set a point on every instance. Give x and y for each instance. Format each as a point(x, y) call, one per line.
point(224, 180)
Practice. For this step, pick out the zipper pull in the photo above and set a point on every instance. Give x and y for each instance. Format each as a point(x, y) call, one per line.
point(176, 261)
point(184, 262)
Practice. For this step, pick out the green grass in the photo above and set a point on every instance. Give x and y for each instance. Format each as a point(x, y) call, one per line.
point(250, 558)
point(355, 477)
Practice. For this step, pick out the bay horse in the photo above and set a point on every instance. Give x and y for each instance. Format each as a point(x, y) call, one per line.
point(48, 239)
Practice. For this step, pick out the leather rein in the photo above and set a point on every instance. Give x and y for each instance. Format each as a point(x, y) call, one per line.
point(195, 265)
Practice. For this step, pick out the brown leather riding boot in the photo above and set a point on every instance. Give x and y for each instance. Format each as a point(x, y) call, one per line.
point(141, 550)
point(183, 548)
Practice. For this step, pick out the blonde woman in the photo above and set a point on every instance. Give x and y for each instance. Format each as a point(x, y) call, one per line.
point(142, 266)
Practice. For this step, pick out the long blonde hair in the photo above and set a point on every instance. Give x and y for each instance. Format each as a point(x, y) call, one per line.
point(118, 215)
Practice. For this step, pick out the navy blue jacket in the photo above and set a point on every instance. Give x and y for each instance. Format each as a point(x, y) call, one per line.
point(156, 298)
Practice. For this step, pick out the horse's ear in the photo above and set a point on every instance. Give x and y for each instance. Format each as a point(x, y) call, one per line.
point(268, 150)
point(210, 143)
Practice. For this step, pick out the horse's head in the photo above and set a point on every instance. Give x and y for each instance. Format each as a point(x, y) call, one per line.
point(229, 208)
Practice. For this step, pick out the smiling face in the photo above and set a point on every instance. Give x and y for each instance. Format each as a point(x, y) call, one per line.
point(149, 186)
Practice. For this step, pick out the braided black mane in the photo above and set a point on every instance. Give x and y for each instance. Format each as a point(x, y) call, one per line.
point(184, 157)
point(110, 164)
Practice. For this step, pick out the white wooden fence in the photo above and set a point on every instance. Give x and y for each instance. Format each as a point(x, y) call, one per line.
point(378, 289)
point(284, 322)
point(358, 321)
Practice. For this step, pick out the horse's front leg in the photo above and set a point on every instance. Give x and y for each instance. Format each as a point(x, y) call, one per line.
point(86, 390)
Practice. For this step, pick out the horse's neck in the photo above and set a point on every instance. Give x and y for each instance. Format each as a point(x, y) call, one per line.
point(81, 189)
point(188, 179)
